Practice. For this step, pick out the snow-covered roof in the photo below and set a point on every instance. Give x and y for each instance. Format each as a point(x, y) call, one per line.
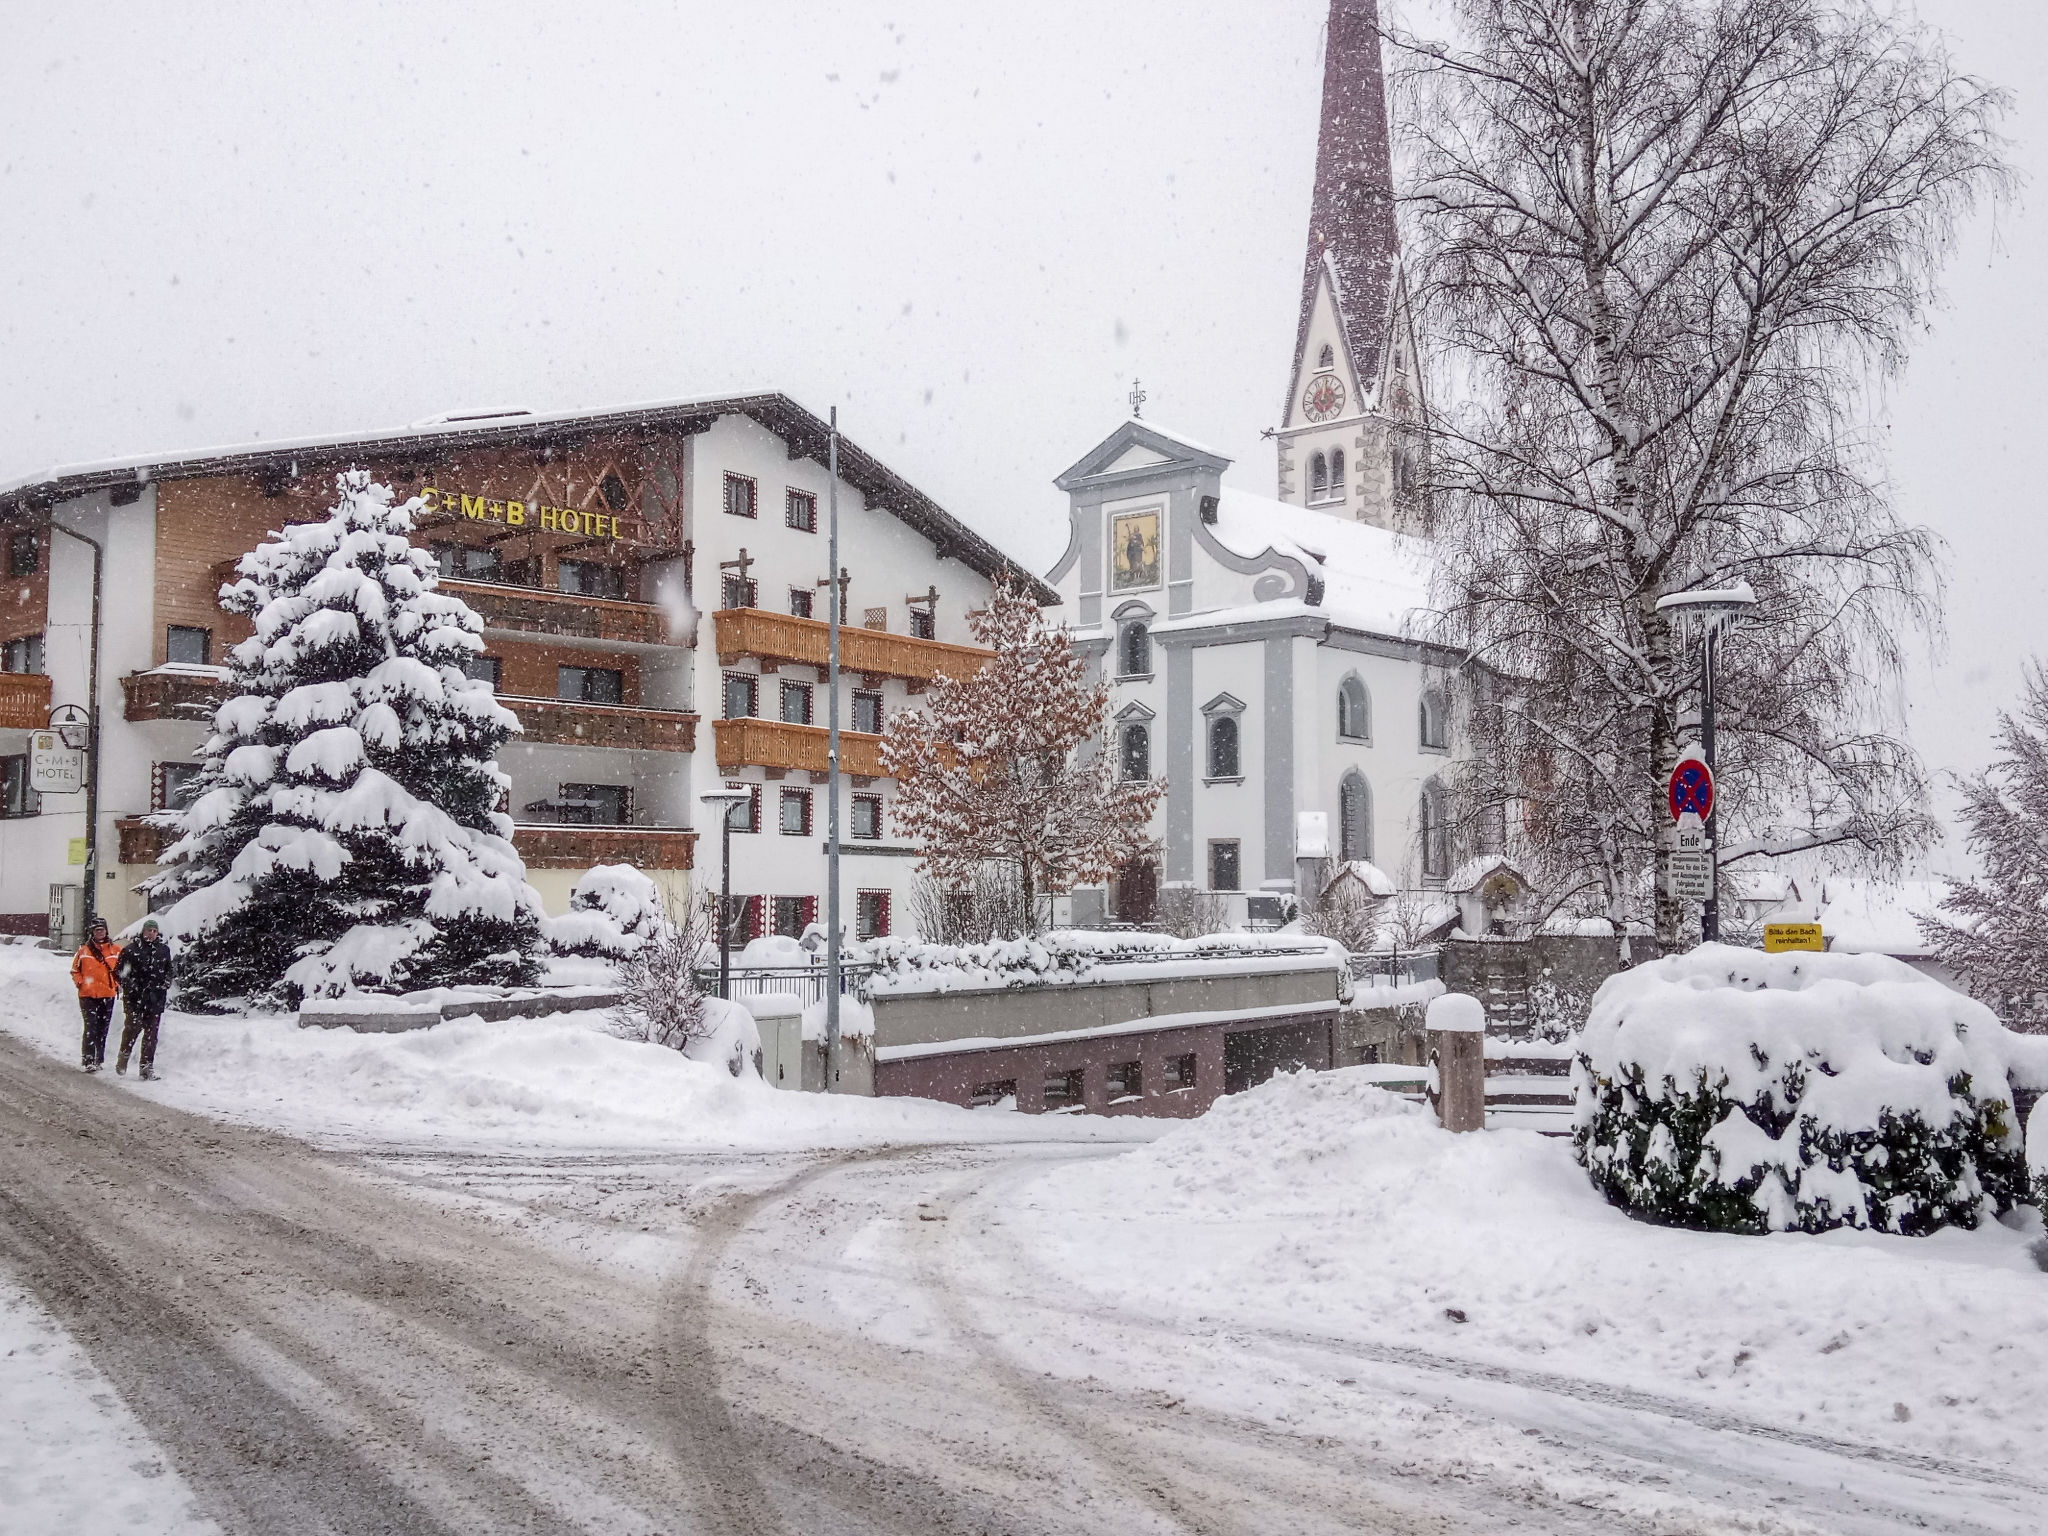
point(806, 434)
point(1474, 872)
point(1367, 874)
point(1872, 917)
point(1373, 579)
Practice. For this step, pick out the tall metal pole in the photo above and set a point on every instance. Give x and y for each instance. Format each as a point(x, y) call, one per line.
point(1710, 909)
point(832, 771)
point(89, 906)
point(725, 901)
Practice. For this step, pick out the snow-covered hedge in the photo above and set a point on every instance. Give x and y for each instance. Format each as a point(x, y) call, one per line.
point(1740, 1091)
point(613, 911)
point(1058, 957)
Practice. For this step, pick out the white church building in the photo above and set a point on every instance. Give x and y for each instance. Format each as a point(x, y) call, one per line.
point(1264, 660)
point(1268, 655)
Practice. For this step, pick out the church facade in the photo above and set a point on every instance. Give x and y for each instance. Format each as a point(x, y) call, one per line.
point(1264, 660)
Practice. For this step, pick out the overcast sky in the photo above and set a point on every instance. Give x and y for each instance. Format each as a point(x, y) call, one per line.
point(968, 226)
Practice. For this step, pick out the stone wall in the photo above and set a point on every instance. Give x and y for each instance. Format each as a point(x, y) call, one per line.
point(1539, 987)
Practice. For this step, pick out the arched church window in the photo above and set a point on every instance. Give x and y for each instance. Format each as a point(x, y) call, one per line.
point(1327, 358)
point(1137, 753)
point(1435, 831)
point(1354, 710)
point(1354, 817)
point(1436, 725)
point(1336, 472)
point(1135, 659)
point(1318, 476)
point(1223, 758)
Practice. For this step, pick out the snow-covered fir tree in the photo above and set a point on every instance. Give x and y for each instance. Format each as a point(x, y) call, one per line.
point(1993, 931)
point(343, 834)
point(991, 770)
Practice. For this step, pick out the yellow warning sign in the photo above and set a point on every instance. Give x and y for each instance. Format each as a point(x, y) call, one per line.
point(1779, 937)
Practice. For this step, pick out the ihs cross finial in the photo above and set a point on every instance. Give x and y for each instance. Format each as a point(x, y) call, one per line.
point(1137, 400)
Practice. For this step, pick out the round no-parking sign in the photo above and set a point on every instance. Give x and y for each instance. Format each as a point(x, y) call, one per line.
point(1691, 792)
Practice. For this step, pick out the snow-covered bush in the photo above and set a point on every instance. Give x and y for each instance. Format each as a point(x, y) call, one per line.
point(1747, 1092)
point(660, 997)
point(613, 910)
point(343, 833)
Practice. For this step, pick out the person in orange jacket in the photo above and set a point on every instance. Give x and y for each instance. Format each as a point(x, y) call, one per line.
point(92, 972)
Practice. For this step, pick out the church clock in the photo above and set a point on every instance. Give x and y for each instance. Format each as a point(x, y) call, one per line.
point(1323, 398)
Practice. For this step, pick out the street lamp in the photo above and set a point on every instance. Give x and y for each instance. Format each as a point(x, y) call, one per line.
point(730, 800)
point(1707, 614)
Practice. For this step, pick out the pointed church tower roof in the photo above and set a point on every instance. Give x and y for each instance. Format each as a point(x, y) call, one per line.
point(1351, 218)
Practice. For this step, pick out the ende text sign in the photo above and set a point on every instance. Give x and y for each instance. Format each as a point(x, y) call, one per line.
point(521, 514)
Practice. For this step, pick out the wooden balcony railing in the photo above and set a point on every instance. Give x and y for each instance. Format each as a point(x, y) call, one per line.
point(753, 743)
point(24, 701)
point(563, 723)
point(538, 611)
point(564, 847)
point(172, 695)
point(140, 842)
point(778, 638)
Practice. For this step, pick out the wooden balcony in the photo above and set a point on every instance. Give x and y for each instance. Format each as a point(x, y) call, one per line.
point(163, 694)
point(24, 701)
point(560, 722)
point(538, 611)
point(140, 842)
point(755, 743)
point(568, 847)
point(779, 638)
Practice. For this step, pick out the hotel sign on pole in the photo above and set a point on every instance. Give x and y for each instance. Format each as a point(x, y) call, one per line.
point(54, 767)
point(522, 514)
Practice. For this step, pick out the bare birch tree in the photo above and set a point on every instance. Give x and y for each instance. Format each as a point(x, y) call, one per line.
point(1665, 250)
point(1012, 767)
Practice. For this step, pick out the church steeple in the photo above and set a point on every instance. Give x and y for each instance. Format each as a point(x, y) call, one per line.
point(1335, 447)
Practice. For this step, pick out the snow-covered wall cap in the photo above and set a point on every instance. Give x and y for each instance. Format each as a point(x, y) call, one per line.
point(773, 1005)
point(1456, 1013)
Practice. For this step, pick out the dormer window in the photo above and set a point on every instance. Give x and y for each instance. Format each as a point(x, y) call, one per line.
point(1327, 358)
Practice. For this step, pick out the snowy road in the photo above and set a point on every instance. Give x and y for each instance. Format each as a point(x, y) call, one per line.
point(423, 1341)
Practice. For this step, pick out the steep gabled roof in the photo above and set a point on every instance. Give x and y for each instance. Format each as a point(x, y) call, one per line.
point(1351, 235)
point(1135, 450)
point(806, 434)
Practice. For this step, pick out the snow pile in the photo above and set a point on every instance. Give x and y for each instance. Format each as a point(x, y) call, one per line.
point(1318, 1207)
point(1747, 1092)
point(1068, 956)
point(613, 911)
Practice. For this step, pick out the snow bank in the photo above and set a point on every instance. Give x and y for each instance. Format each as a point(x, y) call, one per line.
point(1066, 956)
point(1742, 1091)
point(1320, 1204)
point(564, 1081)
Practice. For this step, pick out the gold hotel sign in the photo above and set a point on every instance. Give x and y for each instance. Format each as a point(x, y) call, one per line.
point(522, 514)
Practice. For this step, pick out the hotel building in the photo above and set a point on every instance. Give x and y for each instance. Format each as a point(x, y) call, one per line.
point(652, 586)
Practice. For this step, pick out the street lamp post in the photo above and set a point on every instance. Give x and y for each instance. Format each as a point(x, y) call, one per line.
point(729, 800)
point(1709, 613)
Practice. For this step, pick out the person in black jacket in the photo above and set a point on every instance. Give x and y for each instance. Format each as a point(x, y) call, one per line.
point(144, 971)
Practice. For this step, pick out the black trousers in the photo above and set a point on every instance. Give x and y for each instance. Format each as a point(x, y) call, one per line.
point(98, 1013)
point(140, 1015)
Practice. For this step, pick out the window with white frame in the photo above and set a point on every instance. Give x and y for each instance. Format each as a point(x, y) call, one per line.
point(1225, 761)
point(1436, 722)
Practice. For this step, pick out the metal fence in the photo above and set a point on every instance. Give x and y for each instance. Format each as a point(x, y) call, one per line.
point(1401, 968)
point(807, 982)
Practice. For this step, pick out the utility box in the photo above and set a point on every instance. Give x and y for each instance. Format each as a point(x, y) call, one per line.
point(67, 917)
point(780, 1018)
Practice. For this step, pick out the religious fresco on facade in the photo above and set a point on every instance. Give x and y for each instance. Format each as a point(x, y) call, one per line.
point(1134, 551)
